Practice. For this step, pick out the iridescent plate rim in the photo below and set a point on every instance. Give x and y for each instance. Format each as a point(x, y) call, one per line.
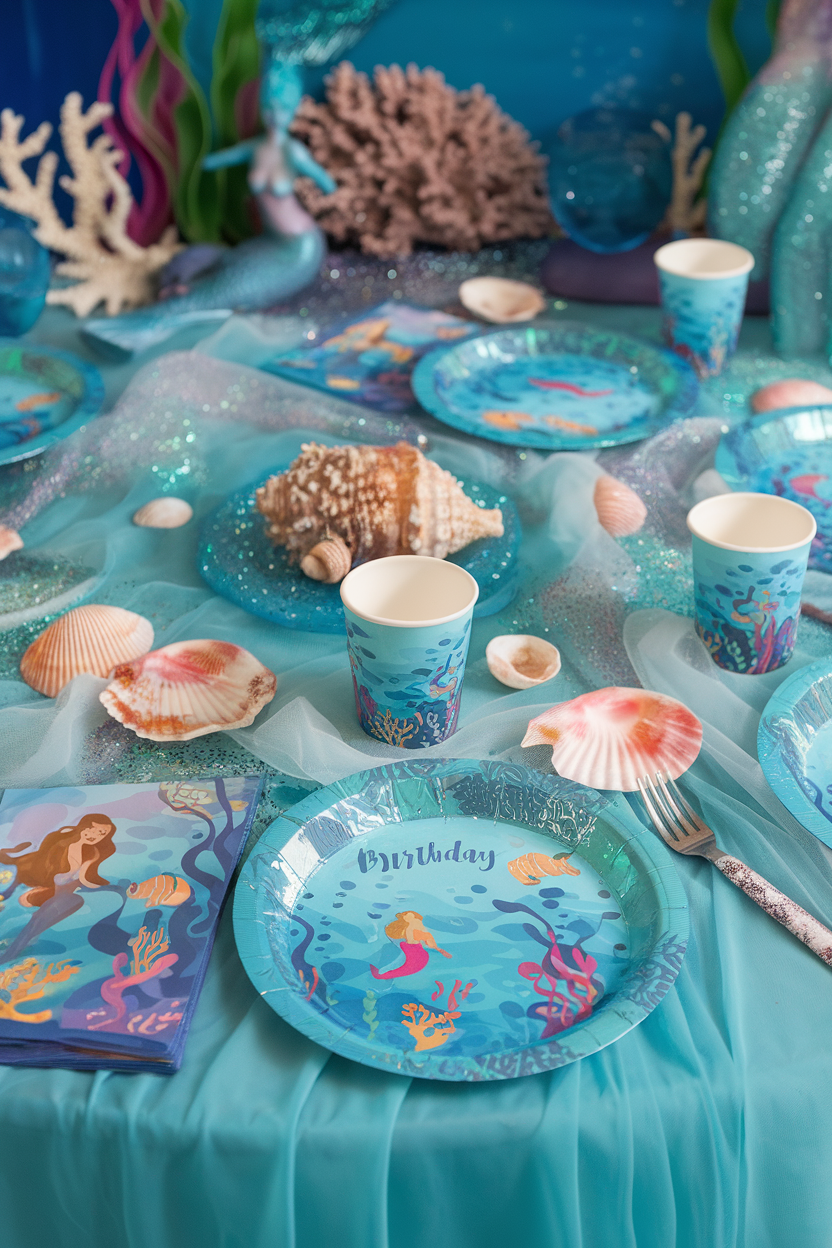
point(89, 404)
point(782, 737)
point(680, 406)
point(380, 790)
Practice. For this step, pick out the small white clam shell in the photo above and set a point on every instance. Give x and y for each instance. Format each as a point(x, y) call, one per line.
point(620, 510)
point(500, 300)
point(188, 689)
point(93, 638)
point(163, 513)
point(10, 540)
point(521, 660)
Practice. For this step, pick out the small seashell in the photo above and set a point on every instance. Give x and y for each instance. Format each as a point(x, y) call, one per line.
point(791, 392)
point(531, 868)
point(164, 513)
point(10, 540)
point(500, 300)
point(620, 510)
point(329, 561)
point(188, 689)
point(93, 639)
point(607, 739)
point(520, 661)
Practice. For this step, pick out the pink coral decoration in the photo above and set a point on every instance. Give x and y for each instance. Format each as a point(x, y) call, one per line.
point(791, 392)
point(609, 738)
point(620, 510)
point(418, 162)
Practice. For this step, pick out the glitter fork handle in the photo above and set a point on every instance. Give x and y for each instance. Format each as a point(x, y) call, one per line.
point(792, 916)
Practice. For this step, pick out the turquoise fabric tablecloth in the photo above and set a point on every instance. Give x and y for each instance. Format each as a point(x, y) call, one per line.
point(708, 1126)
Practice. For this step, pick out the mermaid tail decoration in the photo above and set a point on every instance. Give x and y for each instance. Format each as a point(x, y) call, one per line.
point(415, 959)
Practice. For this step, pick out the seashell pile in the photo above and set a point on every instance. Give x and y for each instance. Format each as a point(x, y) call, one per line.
point(620, 510)
point(366, 502)
point(521, 660)
point(163, 513)
point(791, 392)
point(188, 689)
point(10, 540)
point(501, 301)
point(607, 739)
point(92, 639)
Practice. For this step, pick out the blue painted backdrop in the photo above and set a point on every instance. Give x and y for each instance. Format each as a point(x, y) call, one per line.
point(542, 59)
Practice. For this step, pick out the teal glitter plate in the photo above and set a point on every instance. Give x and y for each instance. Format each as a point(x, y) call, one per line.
point(239, 562)
point(561, 387)
point(460, 920)
point(794, 746)
point(45, 395)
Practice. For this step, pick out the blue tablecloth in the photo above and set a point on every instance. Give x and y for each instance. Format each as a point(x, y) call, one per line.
point(709, 1126)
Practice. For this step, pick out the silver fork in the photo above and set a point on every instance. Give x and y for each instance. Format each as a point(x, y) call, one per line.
point(680, 827)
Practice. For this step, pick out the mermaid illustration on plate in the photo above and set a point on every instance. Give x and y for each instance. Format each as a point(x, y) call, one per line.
point(416, 942)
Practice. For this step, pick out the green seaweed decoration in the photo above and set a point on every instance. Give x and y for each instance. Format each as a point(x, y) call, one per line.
point(729, 62)
point(208, 206)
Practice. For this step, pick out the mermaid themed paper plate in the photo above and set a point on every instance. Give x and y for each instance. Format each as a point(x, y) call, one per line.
point(460, 920)
point(239, 562)
point(794, 746)
point(788, 452)
point(45, 395)
point(560, 387)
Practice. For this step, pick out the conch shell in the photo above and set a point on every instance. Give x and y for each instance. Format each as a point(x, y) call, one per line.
point(531, 868)
point(161, 890)
point(378, 500)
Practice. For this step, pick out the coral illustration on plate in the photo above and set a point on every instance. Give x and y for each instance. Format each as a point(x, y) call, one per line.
point(428, 1030)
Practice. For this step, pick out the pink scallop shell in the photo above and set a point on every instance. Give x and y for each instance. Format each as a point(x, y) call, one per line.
point(188, 689)
point(791, 392)
point(10, 540)
point(607, 739)
point(620, 510)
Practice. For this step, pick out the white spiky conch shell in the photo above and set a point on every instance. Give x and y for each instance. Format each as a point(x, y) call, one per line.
point(609, 738)
point(378, 500)
point(620, 510)
point(521, 660)
point(163, 513)
point(501, 300)
point(188, 689)
point(93, 639)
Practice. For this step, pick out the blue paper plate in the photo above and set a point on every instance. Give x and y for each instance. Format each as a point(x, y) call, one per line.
point(460, 920)
point(45, 395)
point(562, 387)
point(794, 746)
point(787, 453)
point(239, 562)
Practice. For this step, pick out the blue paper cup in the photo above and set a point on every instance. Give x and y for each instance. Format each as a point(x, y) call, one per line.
point(703, 284)
point(408, 627)
point(749, 559)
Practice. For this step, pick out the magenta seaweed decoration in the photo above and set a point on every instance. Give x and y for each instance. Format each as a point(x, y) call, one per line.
point(112, 989)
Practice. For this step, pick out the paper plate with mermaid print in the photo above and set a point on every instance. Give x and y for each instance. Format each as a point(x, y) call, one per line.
point(794, 746)
point(461, 920)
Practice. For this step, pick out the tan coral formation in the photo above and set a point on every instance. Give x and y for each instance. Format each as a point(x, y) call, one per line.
point(686, 212)
point(107, 265)
point(417, 161)
point(378, 500)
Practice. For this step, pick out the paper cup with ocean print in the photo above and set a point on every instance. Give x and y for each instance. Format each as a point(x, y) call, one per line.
point(408, 627)
point(749, 559)
point(703, 283)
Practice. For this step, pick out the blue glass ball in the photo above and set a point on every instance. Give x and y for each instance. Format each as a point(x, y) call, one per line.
point(24, 275)
point(610, 178)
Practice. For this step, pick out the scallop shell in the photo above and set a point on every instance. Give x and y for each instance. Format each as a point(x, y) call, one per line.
point(161, 890)
point(520, 661)
point(10, 540)
point(163, 513)
point(791, 392)
point(94, 639)
point(188, 689)
point(531, 868)
point(620, 510)
point(380, 500)
point(329, 561)
point(607, 739)
point(500, 300)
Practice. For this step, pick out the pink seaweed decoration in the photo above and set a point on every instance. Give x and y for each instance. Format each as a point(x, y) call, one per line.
point(112, 989)
point(559, 1011)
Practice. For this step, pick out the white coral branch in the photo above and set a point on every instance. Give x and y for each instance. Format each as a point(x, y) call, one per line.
point(686, 213)
point(107, 264)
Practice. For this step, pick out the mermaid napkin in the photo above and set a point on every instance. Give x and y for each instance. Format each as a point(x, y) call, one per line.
point(110, 900)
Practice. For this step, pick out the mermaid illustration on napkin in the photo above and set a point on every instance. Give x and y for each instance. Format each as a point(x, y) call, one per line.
point(416, 942)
